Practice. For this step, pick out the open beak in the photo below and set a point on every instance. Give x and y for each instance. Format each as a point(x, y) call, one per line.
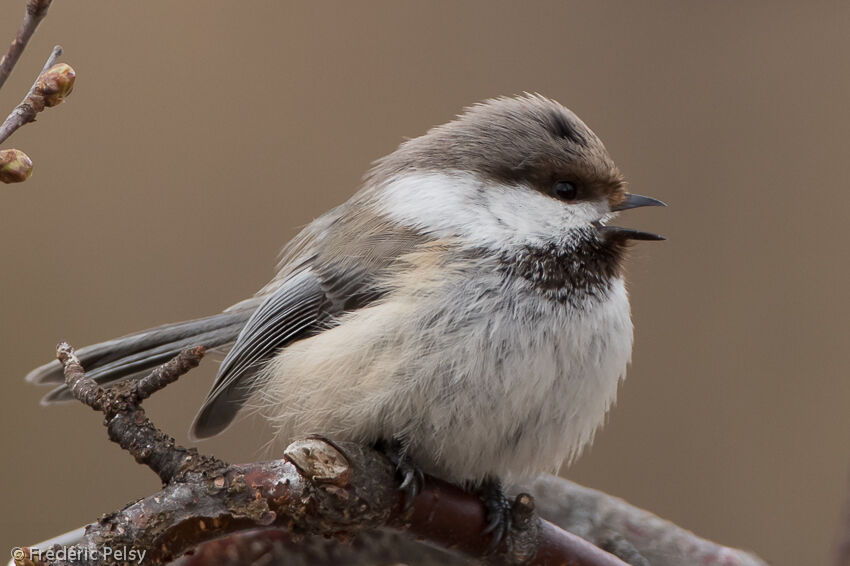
point(636, 201)
point(632, 201)
point(629, 234)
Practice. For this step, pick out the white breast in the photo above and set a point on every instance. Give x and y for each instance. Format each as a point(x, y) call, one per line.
point(520, 388)
point(476, 383)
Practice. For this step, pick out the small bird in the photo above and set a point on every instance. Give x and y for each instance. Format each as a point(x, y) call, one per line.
point(465, 310)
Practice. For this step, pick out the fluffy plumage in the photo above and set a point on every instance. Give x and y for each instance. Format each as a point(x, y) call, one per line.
point(475, 375)
point(455, 304)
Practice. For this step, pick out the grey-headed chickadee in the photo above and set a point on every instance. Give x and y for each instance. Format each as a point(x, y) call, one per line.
point(466, 306)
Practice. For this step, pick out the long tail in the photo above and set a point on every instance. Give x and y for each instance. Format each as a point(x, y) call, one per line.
point(126, 356)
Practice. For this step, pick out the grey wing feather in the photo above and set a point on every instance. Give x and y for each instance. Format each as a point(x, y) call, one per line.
point(324, 271)
point(334, 266)
point(297, 307)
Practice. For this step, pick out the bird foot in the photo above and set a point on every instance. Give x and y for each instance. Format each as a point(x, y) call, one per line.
point(499, 515)
point(412, 477)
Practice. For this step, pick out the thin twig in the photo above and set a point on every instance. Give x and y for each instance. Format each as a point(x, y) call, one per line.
point(125, 420)
point(51, 60)
point(36, 11)
point(25, 112)
point(168, 373)
point(84, 390)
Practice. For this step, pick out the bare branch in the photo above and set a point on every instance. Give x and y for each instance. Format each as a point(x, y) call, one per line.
point(606, 521)
point(347, 491)
point(319, 488)
point(125, 420)
point(36, 11)
point(168, 373)
point(53, 84)
point(362, 495)
point(50, 88)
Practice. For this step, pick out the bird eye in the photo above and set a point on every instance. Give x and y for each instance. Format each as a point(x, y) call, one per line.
point(565, 190)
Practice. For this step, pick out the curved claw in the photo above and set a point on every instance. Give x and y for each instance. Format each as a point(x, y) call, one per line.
point(412, 477)
point(499, 516)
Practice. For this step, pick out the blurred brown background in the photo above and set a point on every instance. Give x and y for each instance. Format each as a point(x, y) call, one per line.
point(201, 135)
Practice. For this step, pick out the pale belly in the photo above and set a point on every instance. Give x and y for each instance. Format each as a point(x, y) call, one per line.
point(473, 384)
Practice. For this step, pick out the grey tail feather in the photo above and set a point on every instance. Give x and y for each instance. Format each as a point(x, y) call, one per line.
point(218, 412)
point(132, 354)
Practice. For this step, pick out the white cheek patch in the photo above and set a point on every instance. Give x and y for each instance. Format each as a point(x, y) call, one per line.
point(482, 213)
